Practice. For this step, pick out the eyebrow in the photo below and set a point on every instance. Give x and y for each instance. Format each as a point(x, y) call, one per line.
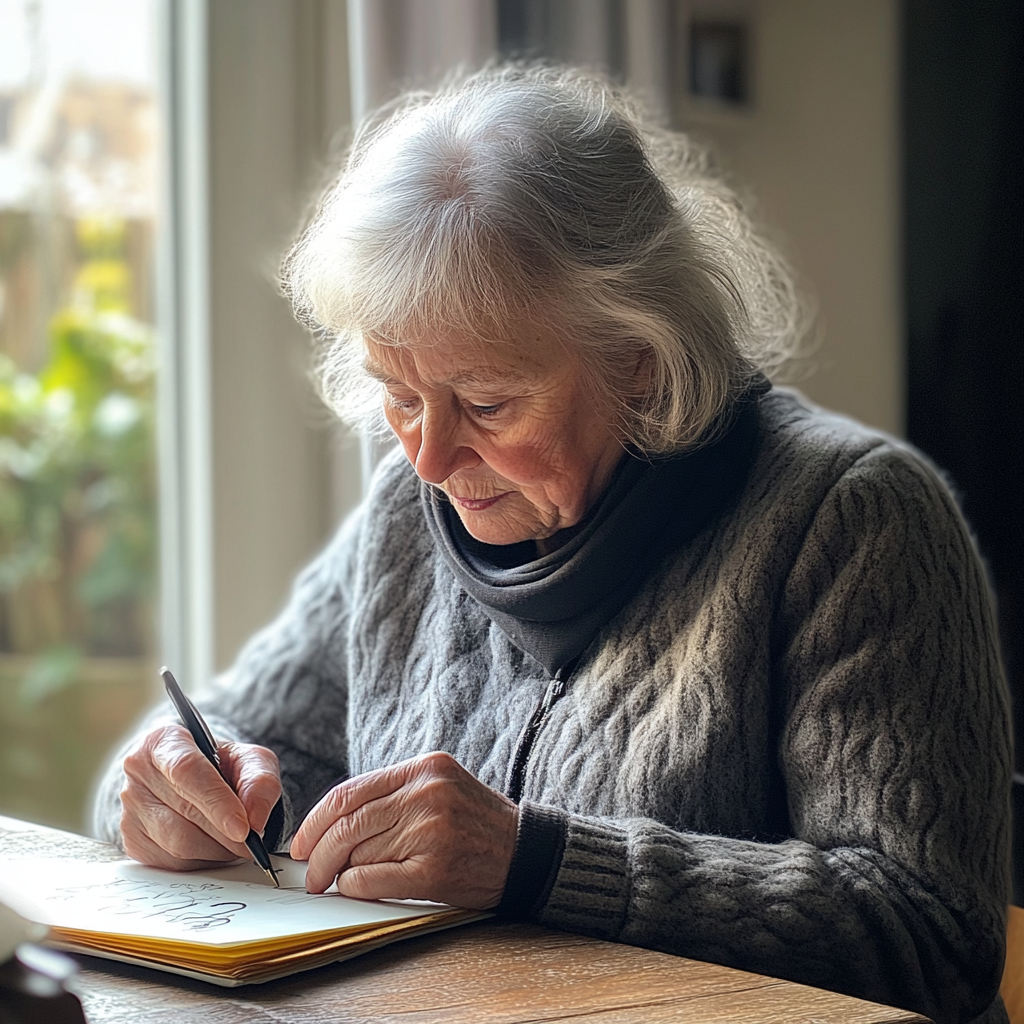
point(479, 377)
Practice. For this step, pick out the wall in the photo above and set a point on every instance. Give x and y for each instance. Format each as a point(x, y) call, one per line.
point(819, 149)
point(277, 88)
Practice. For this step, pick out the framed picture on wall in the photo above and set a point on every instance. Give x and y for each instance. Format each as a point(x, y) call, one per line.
point(719, 67)
point(711, 58)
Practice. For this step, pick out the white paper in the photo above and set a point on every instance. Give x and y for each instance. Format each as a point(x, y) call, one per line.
point(221, 907)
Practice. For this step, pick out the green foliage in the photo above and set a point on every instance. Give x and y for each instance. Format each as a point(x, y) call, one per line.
point(77, 495)
point(55, 670)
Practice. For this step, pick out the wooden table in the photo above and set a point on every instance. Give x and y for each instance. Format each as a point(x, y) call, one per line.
point(486, 973)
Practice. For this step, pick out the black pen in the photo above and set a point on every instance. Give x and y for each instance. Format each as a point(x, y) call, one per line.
point(193, 721)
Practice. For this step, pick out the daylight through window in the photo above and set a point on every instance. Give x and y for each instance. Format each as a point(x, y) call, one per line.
point(78, 542)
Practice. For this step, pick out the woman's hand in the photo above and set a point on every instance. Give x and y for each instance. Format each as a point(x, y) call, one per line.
point(176, 810)
point(421, 829)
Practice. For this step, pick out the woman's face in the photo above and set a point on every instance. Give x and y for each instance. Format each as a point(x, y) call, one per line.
point(506, 429)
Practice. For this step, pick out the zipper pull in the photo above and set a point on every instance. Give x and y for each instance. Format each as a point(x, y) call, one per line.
point(555, 691)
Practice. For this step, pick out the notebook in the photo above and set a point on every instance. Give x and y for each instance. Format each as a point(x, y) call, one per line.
point(228, 926)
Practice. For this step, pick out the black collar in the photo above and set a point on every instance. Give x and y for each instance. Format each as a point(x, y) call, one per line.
point(552, 607)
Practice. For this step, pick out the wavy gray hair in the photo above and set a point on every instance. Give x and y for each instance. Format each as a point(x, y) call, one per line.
point(526, 195)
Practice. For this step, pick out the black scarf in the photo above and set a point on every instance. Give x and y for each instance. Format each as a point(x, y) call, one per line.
point(552, 607)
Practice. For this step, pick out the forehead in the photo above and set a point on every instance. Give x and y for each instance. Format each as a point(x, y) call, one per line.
point(455, 362)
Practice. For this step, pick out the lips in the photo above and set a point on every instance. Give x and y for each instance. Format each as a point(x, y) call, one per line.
point(476, 504)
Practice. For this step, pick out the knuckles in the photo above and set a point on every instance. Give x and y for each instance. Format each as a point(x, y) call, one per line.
point(174, 843)
point(135, 845)
point(177, 761)
point(435, 793)
point(251, 764)
point(439, 823)
point(438, 783)
point(158, 748)
point(347, 829)
point(129, 800)
point(440, 764)
point(137, 764)
point(335, 802)
point(169, 830)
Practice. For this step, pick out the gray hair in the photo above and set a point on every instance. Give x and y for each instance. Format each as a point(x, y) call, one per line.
point(527, 195)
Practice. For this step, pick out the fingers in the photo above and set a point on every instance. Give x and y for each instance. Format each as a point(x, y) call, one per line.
point(150, 801)
point(255, 775)
point(176, 757)
point(342, 800)
point(177, 810)
point(424, 829)
point(155, 834)
point(381, 881)
point(332, 852)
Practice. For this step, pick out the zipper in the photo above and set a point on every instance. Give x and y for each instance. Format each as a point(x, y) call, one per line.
point(555, 691)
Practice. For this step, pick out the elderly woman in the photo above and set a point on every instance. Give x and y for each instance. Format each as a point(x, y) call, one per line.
point(624, 640)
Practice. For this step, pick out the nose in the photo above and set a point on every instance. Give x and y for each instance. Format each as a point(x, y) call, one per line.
point(442, 450)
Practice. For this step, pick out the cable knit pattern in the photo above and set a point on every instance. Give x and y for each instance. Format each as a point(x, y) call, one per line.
point(789, 753)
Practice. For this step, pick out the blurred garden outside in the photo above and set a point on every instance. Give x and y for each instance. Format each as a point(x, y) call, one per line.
point(78, 531)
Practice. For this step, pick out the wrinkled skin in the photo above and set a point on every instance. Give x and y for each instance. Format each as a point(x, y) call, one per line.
point(506, 428)
point(421, 829)
point(178, 813)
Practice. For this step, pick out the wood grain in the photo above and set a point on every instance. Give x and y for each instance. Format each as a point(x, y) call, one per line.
point(488, 973)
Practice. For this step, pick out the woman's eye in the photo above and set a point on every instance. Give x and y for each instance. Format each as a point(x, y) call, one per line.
point(403, 404)
point(487, 411)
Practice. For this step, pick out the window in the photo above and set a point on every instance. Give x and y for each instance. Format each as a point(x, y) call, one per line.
point(79, 156)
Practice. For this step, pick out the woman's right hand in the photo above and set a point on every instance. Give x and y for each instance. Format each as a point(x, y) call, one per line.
point(176, 810)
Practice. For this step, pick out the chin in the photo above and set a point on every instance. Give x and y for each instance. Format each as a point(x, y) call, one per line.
point(497, 537)
point(497, 533)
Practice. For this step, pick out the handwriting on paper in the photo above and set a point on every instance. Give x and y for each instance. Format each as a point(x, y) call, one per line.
point(223, 907)
point(20, 840)
point(193, 906)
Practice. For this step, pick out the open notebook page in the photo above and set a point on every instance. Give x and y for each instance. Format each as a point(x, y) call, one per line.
point(220, 907)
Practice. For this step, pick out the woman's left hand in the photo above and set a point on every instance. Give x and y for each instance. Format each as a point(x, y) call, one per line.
point(421, 829)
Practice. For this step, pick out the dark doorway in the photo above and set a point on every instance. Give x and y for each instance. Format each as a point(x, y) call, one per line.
point(963, 113)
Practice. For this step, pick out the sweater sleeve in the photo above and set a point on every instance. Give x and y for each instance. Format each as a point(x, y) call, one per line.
point(287, 691)
point(893, 744)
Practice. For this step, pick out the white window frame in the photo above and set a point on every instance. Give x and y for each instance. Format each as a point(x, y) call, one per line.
point(183, 341)
point(252, 480)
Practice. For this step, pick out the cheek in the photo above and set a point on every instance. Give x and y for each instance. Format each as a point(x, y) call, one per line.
point(408, 436)
point(561, 463)
point(538, 461)
point(410, 447)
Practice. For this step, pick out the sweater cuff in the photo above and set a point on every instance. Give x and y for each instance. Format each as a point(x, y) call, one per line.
point(540, 844)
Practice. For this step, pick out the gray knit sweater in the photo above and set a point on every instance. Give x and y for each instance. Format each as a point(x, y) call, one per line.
point(788, 753)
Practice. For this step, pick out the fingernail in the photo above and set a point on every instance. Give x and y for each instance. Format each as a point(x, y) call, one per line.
point(238, 828)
